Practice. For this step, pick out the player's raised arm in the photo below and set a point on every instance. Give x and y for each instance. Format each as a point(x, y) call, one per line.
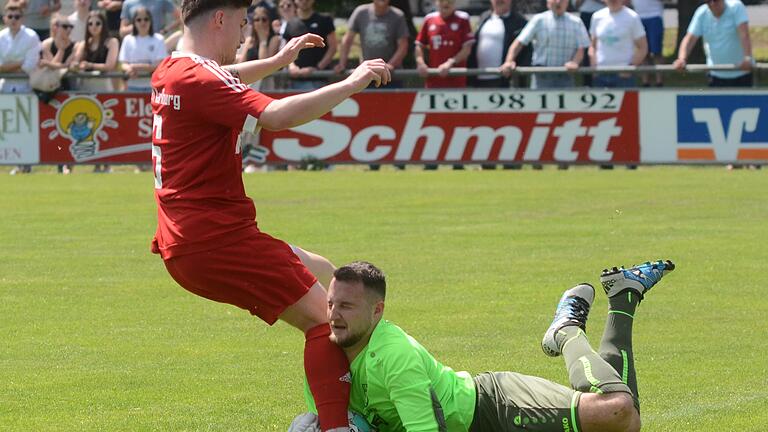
point(301, 108)
point(254, 70)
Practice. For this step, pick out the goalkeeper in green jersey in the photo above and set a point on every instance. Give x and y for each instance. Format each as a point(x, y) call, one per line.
point(398, 386)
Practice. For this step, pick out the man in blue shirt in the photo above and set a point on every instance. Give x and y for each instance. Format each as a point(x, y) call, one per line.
point(723, 25)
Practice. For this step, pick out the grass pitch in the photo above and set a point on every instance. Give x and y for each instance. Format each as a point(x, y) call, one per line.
point(97, 337)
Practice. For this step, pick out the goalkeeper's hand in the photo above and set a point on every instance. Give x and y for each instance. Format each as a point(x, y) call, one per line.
point(306, 422)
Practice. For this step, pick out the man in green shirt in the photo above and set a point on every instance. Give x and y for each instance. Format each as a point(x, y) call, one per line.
point(398, 386)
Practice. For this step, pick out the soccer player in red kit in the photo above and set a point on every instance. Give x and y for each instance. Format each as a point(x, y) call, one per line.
point(207, 233)
point(447, 35)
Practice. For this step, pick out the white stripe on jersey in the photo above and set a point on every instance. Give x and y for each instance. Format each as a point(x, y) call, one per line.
point(251, 124)
point(224, 75)
point(216, 70)
point(239, 88)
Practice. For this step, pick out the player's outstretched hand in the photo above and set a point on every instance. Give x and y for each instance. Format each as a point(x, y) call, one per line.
point(369, 71)
point(291, 50)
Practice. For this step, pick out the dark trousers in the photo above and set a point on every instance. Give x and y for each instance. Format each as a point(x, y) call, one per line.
point(742, 81)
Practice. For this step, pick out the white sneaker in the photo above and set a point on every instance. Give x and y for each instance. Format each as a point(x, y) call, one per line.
point(572, 310)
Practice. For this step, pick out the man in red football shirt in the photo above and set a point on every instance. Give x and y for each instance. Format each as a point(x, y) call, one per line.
point(448, 37)
point(207, 233)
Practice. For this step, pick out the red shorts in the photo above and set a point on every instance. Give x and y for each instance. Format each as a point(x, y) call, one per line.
point(260, 274)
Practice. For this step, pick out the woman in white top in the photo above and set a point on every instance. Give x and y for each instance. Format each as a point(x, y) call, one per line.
point(141, 51)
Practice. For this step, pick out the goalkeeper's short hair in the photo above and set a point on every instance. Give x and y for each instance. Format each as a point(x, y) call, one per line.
point(368, 274)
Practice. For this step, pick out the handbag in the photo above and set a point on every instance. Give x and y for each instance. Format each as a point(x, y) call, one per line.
point(46, 79)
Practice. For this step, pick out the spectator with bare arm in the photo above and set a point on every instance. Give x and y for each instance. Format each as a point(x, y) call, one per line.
point(19, 49)
point(97, 54)
point(160, 10)
point(263, 42)
point(141, 51)
point(618, 39)
point(558, 38)
point(78, 19)
point(446, 36)
point(383, 34)
point(312, 59)
point(57, 54)
point(19, 52)
point(498, 27)
point(723, 24)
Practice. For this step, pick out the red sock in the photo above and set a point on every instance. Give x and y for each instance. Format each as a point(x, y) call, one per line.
point(327, 372)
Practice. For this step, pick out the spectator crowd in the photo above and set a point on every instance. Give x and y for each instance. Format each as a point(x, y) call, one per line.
point(129, 38)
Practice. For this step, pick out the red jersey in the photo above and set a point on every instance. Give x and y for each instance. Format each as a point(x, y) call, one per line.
point(444, 38)
point(199, 110)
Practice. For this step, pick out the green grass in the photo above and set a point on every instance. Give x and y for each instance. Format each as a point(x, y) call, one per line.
point(97, 337)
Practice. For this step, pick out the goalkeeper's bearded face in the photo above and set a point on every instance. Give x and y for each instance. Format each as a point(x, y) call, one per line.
point(353, 313)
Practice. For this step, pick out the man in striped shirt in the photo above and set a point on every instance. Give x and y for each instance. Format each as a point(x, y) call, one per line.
point(559, 39)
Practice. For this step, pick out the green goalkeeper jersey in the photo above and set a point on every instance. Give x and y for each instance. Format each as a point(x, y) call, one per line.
point(398, 386)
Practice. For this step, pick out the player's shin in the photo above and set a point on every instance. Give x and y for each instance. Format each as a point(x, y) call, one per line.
point(327, 372)
point(587, 371)
point(616, 345)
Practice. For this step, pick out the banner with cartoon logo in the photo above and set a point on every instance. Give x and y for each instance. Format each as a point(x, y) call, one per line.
point(103, 128)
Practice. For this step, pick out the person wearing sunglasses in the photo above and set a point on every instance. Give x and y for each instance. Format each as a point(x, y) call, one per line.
point(159, 10)
point(141, 51)
point(19, 49)
point(723, 24)
point(57, 55)
point(19, 52)
point(262, 42)
point(97, 54)
point(58, 50)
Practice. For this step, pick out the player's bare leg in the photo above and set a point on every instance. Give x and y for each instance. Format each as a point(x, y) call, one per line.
point(320, 266)
point(325, 364)
point(610, 412)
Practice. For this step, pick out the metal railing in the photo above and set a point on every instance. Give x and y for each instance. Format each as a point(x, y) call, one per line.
point(523, 70)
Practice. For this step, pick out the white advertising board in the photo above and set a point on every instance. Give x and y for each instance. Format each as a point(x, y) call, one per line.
point(19, 129)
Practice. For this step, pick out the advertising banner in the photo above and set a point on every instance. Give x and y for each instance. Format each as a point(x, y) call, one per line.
point(472, 126)
point(103, 128)
point(18, 129)
point(704, 127)
point(427, 126)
